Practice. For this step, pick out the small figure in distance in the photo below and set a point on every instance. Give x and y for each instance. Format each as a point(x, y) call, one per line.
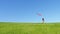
point(42, 20)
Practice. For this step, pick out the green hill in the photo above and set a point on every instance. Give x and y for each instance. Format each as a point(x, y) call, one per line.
point(29, 28)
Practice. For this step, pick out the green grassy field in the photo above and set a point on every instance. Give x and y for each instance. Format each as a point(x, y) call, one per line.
point(29, 28)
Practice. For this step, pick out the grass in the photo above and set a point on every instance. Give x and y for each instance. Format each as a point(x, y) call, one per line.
point(29, 28)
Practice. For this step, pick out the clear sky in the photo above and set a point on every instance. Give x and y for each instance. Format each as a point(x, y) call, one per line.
point(26, 10)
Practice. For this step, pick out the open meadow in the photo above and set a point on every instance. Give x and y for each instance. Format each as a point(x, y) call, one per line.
point(29, 28)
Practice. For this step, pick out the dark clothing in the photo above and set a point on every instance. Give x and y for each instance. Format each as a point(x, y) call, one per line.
point(42, 20)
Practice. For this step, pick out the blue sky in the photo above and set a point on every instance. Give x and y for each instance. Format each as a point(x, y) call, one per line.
point(26, 10)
